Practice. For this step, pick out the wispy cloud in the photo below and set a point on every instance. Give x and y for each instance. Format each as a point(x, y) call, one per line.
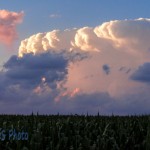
point(54, 16)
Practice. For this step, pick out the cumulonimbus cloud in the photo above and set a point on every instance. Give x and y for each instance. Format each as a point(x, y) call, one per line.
point(44, 75)
point(8, 22)
point(127, 35)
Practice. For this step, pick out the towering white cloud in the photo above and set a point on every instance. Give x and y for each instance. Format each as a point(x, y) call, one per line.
point(133, 35)
point(128, 35)
point(41, 42)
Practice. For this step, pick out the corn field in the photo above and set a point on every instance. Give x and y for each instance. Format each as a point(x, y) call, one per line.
point(73, 132)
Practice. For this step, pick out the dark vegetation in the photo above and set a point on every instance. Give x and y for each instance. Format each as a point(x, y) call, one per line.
point(73, 132)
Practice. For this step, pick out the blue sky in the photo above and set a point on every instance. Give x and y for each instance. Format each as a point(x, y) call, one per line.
point(113, 71)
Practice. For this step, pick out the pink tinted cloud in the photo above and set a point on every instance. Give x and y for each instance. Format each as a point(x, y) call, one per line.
point(8, 23)
point(69, 94)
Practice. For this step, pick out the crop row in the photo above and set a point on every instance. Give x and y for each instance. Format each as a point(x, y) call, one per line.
point(73, 132)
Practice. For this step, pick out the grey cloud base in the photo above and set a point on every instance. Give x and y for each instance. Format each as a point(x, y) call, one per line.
point(142, 74)
point(32, 82)
point(80, 104)
point(30, 69)
point(22, 75)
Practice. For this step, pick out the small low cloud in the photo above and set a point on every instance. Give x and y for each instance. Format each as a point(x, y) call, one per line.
point(106, 68)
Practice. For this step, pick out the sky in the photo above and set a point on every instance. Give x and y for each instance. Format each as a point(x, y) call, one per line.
point(75, 57)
